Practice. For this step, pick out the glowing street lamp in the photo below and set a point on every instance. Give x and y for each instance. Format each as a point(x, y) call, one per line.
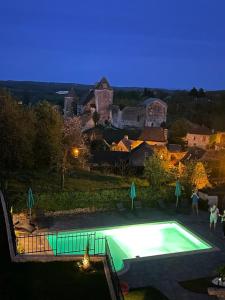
point(75, 152)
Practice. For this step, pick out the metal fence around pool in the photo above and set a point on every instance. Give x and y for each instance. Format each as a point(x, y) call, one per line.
point(113, 273)
point(70, 244)
point(60, 243)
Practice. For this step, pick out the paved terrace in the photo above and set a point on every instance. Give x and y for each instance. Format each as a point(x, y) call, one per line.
point(163, 273)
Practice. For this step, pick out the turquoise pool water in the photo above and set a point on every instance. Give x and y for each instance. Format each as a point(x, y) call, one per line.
point(128, 242)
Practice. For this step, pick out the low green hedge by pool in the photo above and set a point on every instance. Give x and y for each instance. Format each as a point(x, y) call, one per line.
point(99, 199)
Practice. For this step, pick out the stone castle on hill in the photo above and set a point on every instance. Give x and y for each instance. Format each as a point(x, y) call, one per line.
point(151, 113)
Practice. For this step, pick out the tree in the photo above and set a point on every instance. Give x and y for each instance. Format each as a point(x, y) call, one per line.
point(193, 175)
point(177, 131)
point(201, 93)
point(185, 172)
point(199, 176)
point(96, 117)
point(147, 93)
point(155, 172)
point(16, 134)
point(193, 92)
point(74, 146)
point(48, 128)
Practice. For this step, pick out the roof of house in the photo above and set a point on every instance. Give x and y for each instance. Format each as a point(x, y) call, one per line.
point(174, 147)
point(193, 153)
point(143, 147)
point(127, 143)
point(152, 100)
point(115, 135)
point(152, 134)
point(201, 130)
point(109, 157)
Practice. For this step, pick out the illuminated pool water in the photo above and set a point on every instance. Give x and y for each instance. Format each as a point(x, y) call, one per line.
point(129, 242)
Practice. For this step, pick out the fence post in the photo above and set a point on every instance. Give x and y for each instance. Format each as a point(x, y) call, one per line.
point(56, 244)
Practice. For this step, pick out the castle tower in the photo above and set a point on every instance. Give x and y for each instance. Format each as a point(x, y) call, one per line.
point(70, 104)
point(103, 100)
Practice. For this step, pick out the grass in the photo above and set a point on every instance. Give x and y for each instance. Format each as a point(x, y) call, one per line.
point(54, 280)
point(83, 189)
point(77, 181)
point(148, 293)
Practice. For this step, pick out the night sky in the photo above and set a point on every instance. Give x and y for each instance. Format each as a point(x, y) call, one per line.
point(148, 43)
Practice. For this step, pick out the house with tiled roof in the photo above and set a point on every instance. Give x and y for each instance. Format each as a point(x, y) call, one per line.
point(198, 137)
point(154, 135)
point(140, 154)
point(125, 144)
point(217, 140)
point(175, 153)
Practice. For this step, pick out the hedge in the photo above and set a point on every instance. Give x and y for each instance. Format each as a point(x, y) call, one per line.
point(101, 199)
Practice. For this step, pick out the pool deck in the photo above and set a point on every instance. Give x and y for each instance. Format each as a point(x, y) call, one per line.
point(163, 273)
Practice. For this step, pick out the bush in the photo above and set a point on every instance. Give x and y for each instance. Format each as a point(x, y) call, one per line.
point(101, 199)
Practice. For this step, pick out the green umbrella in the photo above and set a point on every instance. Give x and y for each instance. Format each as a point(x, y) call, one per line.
point(30, 200)
point(177, 191)
point(132, 194)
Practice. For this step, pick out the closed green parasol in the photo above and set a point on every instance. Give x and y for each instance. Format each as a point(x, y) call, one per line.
point(30, 201)
point(132, 194)
point(177, 191)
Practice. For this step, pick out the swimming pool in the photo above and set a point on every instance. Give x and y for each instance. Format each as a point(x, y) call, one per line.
point(129, 242)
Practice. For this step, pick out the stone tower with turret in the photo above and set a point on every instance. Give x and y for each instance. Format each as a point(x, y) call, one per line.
point(70, 104)
point(104, 100)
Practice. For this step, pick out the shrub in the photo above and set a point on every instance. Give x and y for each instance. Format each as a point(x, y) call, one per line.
point(102, 199)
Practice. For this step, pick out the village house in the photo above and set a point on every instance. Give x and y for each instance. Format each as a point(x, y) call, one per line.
point(175, 153)
point(198, 137)
point(140, 154)
point(125, 145)
point(149, 135)
point(218, 140)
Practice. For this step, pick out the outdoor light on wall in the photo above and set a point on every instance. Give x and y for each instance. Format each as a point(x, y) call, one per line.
point(75, 152)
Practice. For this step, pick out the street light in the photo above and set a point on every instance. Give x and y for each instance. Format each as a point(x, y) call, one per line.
point(75, 152)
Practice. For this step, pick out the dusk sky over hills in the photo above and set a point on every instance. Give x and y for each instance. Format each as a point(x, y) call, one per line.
point(160, 43)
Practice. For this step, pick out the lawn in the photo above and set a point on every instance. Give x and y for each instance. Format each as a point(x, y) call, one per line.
point(83, 189)
point(55, 280)
point(79, 180)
